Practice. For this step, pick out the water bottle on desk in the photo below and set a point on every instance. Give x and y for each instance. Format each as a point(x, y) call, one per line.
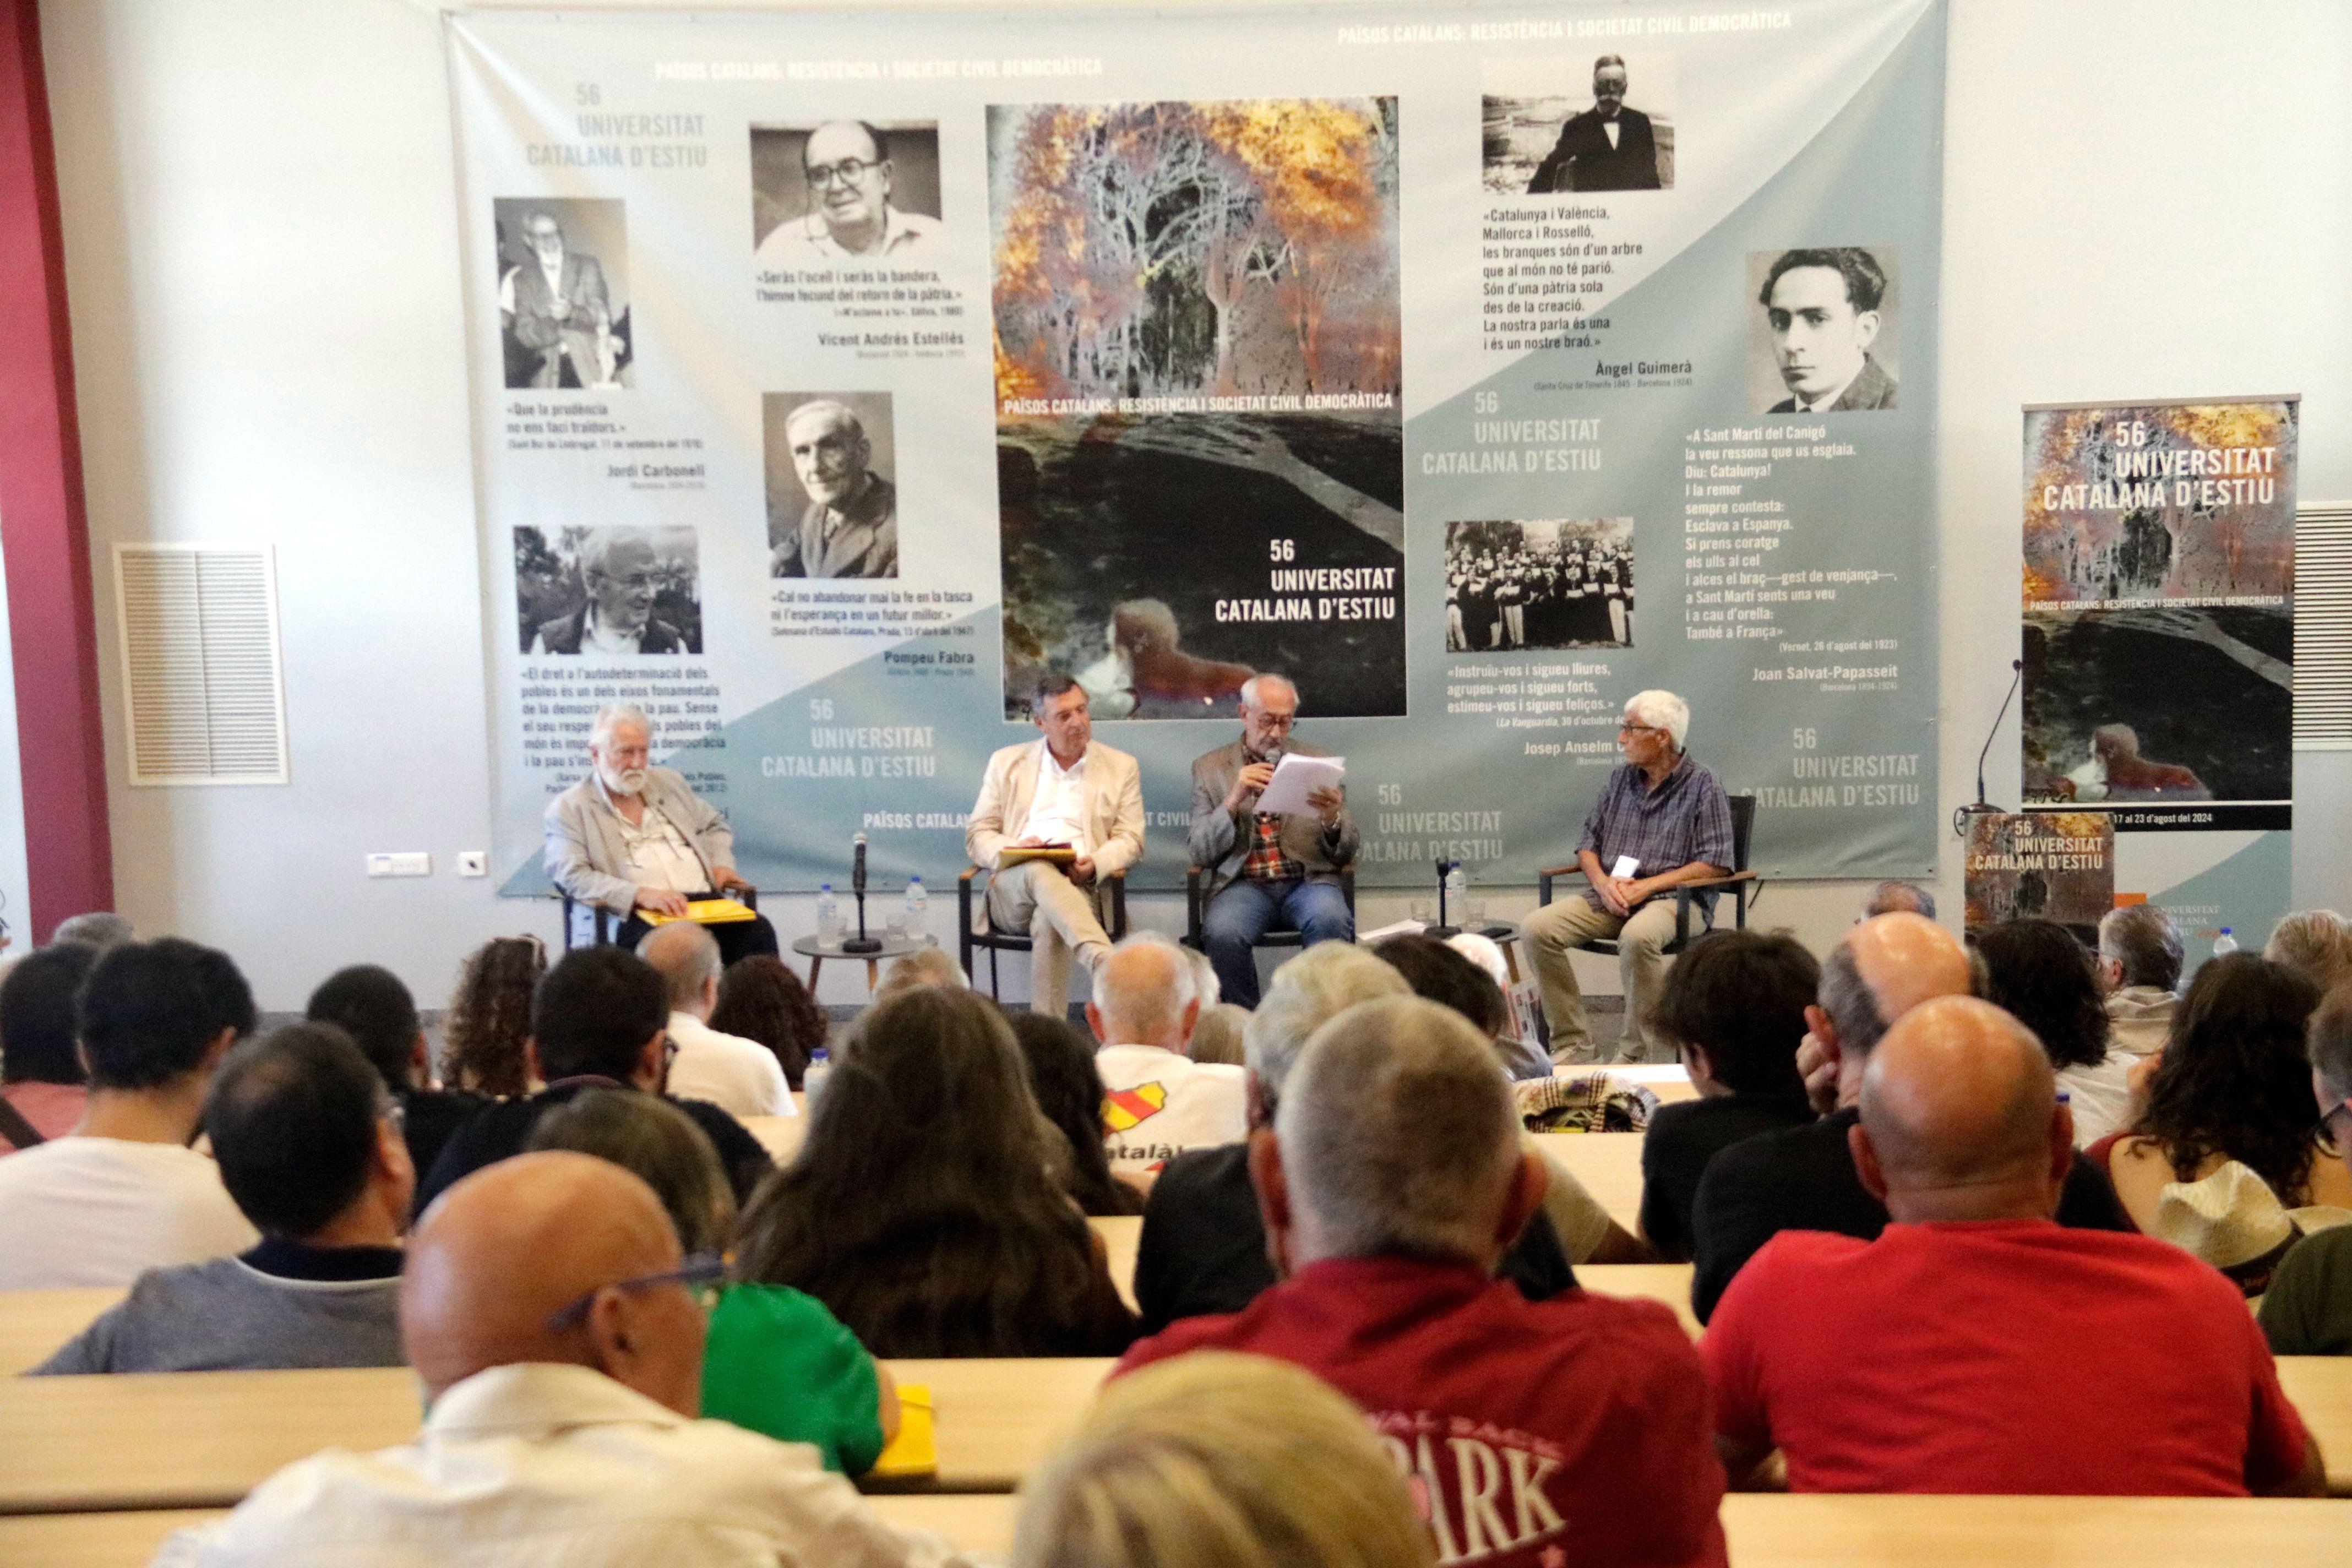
point(828, 917)
point(919, 911)
point(2225, 944)
point(820, 1068)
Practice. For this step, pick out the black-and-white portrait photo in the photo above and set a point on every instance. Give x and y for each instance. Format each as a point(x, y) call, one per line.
point(832, 509)
point(1821, 337)
point(1549, 583)
point(608, 592)
point(845, 190)
point(563, 292)
point(1554, 125)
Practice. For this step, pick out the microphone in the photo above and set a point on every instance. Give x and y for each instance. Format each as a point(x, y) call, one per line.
point(861, 943)
point(1982, 807)
point(858, 867)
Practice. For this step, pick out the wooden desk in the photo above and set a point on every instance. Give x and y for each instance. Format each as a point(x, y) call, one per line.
point(34, 1323)
point(1121, 1235)
point(203, 1440)
point(126, 1539)
point(1608, 1164)
point(1666, 1283)
point(780, 1135)
point(2321, 1387)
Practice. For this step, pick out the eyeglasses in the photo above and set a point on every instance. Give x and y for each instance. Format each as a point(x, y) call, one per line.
point(847, 171)
point(1630, 728)
point(700, 1276)
point(1277, 721)
point(2336, 1135)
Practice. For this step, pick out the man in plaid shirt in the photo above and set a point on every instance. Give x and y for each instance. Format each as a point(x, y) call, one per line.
point(1669, 817)
point(1265, 868)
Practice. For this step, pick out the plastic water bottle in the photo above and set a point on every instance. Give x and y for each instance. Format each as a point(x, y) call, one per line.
point(828, 917)
point(919, 911)
point(2224, 945)
point(1458, 895)
point(820, 1068)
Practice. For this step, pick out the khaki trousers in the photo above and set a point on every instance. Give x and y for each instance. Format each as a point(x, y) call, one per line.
point(1060, 920)
point(1553, 930)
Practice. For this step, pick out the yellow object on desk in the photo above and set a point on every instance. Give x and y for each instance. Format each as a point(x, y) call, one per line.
point(1013, 854)
point(704, 912)
point(915, 1451)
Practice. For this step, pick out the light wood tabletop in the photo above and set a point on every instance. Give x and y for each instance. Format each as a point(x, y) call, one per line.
point(1666, 1283)
point(121, 1539)
point(34, 1323)
point(1121, 1235)
point(780, 1135)
point(1608, 1164)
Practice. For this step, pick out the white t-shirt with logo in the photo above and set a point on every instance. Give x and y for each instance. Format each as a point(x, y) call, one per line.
point(1158, 1103)
point(100, 1211)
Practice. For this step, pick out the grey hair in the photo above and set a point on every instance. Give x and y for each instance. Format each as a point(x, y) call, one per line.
point(1900, 898)
point(1217, 1037)
point(1606, 61)
point(1398, 1135)
point(2328, 1042)
point(653, 1140)
point(828, 406)
point(685, 955)
point(1308, 992)
point(1149, 1010)
point(2315, 944)
point(541, 213)
point(1257, 683)
point(1849, 1001)
point(1661, 710)
point(1206, 984)
point(100, 929)
point(2146, 942)
point(613, 715)
point(596, 550)
point(924, 966)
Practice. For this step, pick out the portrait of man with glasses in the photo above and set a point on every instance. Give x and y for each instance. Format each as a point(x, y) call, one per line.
point(849, 198)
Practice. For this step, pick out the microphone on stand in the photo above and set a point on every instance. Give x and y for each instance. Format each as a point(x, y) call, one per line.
point(861, 943)
point(1982, 807)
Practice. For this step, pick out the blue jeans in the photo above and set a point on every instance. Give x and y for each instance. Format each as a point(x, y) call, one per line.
point(1244, 911)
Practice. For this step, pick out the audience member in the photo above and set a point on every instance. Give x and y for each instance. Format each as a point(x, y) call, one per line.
point(2316, 945)
point(777, 1363)
point(2233, 1083)
point(1734, 1005)
point(600, 1020)
point(921, 1211)
point(2139, 969)
point(1899, 899)
point(555, 1325)
point(1441, 974)
point(1803, 1178)
point(759, 998)
point(1069, 1091)
point(42, 1088)
point(488, 1022)
point(372, 1005)
point(1203, 1242)
point(100, 929)
point(309, 1148)
point(924, 966)
point(1390, 1187)
point(123, 1193)
point(2308, 1309)
point(740, 1077)
point(1240, 1461)
point(2039, 974)
point(1217, 1035)
point(1157, 1102)
point(1975, 1346)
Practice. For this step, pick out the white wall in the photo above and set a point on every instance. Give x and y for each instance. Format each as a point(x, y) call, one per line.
point(2143, 198)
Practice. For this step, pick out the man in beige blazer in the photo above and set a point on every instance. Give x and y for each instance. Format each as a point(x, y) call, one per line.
point(1065, 788)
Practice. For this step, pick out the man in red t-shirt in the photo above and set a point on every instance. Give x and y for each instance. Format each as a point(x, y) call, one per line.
point(1976, 1346)
point(1535, 1434)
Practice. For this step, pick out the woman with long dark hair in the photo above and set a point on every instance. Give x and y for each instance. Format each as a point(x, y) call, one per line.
point(759, 998)
point(920, 1209)
point(489, 1018)
point(2036, 972)
point(1070, 1092)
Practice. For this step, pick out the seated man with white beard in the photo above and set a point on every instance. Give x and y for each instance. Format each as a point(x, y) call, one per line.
point(634, 839)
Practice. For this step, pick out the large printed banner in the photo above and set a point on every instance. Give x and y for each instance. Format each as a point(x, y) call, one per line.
point(2160, 646)
point(838, 376)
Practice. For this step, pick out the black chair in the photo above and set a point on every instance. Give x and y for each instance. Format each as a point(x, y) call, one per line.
point(1196, 909)
point(1742, 885)
point(601, 924)
point(982, 932)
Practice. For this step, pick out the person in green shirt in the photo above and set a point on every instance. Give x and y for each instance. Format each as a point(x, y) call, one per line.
point(776, 1360)
point(2308, 1309)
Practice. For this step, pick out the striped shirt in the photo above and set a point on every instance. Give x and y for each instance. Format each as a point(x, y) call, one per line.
point(1688, 818)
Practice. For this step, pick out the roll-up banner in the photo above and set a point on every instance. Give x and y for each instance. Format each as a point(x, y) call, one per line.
point(2159, 647)
point(837, 375)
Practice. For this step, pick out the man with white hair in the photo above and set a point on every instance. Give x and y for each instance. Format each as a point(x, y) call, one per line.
point(740, 1077)
point(1266, 867)
point(1157, 1100)
point(1661, 821)
point(634, 839)
point(1204, 1244)
point(1392, 1183)
point(618, 579)
point(850, 528)
point(1607, 147)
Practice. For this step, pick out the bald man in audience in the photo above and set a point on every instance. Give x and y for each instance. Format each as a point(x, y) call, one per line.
point(1158, 1101)
point(740, 1077)
point(558, 1335)
point(1539, 1432)
point(1802, 1178)
point(1975, 1345)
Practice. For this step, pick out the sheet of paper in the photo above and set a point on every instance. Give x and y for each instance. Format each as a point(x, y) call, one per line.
point(1295, 777)
point(1626, 866)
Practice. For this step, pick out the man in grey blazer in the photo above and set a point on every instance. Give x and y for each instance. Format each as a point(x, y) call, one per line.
point(1064, 788)
point(634, 839)
point(1266, 867)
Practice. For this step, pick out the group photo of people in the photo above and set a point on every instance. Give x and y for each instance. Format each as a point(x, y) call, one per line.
point(1548, 584)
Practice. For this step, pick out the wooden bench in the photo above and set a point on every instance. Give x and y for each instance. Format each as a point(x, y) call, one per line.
point(1608, 1164)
